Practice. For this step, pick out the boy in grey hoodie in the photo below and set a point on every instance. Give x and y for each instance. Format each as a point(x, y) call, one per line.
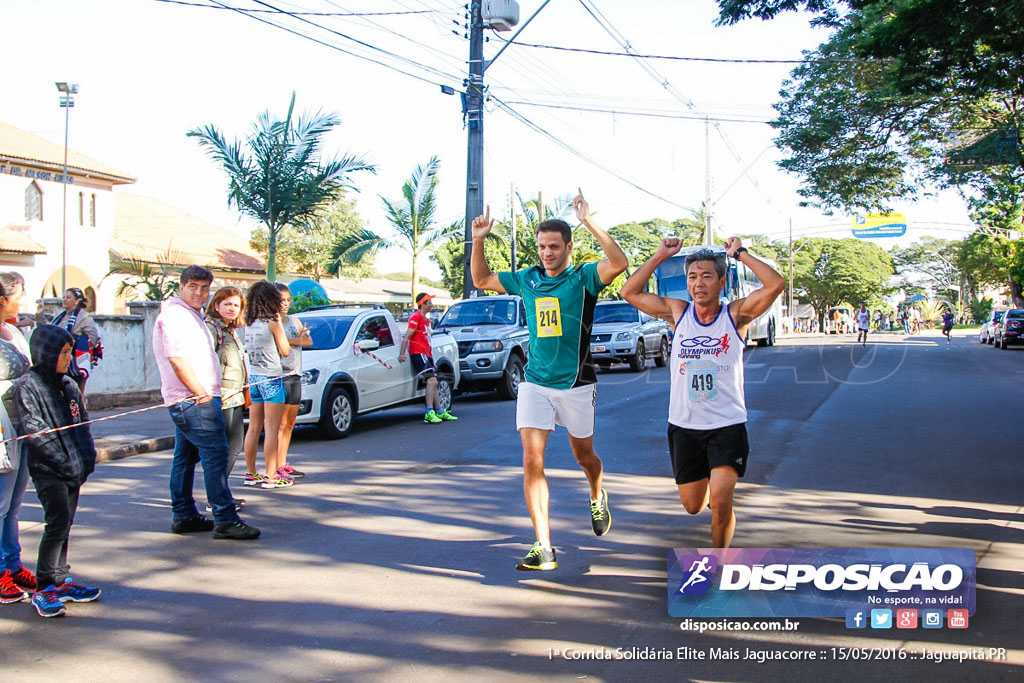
point(45, 398)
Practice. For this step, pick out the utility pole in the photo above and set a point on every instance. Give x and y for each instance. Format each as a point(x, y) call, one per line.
point(707, 182)
point(512, 212)
point(475, 148)
point(790, 310)
point(540, 207)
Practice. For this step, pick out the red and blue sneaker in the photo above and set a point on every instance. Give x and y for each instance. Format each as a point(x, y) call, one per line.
point(47, 603)
point(69, 591)
point(24, 579)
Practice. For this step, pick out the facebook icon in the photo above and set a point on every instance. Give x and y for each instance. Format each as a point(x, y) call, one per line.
point(856, 618)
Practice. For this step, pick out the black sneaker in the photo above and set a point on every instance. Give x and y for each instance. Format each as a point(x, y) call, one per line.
point(600, 515)
point(237, 530)
point(190, 524)
point(538, 559)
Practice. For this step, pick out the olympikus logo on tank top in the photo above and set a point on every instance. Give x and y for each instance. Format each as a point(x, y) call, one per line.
point(707, 372)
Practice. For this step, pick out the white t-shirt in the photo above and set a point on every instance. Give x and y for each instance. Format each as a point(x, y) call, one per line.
point(863, 319)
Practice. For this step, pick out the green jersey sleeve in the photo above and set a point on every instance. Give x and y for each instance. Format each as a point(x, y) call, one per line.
point(510, 281)
point(591, 279)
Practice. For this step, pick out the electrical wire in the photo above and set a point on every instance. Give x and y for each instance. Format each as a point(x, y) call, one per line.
point(308, 14)
point(581, 155)
point(337, 47)
point(627, 112)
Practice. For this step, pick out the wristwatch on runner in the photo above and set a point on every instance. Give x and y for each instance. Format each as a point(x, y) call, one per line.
point(736, 254)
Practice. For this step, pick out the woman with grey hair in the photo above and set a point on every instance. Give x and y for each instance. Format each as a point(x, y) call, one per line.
point(15, 580)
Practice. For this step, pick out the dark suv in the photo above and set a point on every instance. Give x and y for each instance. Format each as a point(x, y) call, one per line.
point(1010, 330)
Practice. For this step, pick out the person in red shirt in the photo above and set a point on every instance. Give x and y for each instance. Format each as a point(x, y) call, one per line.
point(417, 343)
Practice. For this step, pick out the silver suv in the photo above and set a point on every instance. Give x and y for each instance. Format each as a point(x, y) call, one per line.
point(493, 340)
point(623, 334)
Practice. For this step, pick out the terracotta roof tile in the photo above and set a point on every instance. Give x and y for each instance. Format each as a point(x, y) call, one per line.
point(147, 229)
point(14, 239)
point(18, 145)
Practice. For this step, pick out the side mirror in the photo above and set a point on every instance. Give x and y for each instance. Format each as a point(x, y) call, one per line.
point(368, 344)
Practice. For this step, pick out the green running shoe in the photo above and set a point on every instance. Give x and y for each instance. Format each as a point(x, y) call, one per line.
point(600, 515)
point(447, 417)
point(432, 418)
point(538, 559)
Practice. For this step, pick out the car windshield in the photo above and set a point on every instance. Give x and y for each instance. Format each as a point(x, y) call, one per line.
point(1015, 315)
point(615, 313)
point(480, 312)
point(327, 332)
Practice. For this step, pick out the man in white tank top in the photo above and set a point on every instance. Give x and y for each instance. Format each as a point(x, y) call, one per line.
point(707, 415)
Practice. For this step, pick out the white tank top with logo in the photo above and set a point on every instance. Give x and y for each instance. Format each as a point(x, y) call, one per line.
point(707, 372)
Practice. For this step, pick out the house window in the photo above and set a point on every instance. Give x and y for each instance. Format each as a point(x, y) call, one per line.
point(81, 209)
point(33, 202)
point(92, 211)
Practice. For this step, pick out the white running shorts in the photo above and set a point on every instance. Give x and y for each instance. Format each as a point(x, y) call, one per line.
point(542, 408)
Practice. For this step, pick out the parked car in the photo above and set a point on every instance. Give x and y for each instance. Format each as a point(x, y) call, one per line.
point(342, 380)
point(623, 334)
point(493, 340)
point(846, 320)
point(988, 328)
point(1010, 329)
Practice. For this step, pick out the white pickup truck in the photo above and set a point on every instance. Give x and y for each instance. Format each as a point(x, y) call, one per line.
point(352, 368)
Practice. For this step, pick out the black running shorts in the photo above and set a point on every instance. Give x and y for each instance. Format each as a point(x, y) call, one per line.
point(292, 390)
point(695, 452)
point(422, 365)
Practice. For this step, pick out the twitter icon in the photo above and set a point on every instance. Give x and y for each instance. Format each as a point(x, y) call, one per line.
point(881, 618)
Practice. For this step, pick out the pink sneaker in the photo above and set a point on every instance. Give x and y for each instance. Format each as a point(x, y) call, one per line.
point(281, 474)
point(290, 471)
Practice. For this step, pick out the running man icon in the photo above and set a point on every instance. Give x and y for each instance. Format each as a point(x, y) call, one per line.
point(698, 569)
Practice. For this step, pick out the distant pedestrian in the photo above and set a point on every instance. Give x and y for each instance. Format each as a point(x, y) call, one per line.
point(265, 345)
point(45, 398)
point(863, 323)
point(75, 319)
point(947, 325)
point(223, 317)
point(904, 319)
point(417, 342)
point(298, 338)
point(190, 381)
point(15, 579)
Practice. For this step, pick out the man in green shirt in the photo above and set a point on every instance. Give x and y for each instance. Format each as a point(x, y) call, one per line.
point(560, 386)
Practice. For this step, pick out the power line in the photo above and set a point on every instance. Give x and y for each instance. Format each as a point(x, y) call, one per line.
point(308, 14)
point(627, 112)
point(714, 60)
point(337, 47)
point(582, 155)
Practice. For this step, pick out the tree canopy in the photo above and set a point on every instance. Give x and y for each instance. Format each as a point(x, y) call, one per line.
point(278, 177)
point(842, 271)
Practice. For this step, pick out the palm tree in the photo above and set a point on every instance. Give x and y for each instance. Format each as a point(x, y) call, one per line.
point(158, 280)
point(280, 179)
point(412, 217)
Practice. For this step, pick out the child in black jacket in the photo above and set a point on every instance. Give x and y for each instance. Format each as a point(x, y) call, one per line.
point(45, 398)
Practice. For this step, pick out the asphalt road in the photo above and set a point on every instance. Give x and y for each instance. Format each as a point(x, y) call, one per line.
point(394, 557)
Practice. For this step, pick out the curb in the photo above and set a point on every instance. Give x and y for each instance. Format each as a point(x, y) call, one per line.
point(119, 448)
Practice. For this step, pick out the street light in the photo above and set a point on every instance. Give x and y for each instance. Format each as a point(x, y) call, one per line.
point(67, 100)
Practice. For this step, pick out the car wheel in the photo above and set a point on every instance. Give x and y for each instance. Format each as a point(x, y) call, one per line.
point(508, 386)
point(339, 414)
point(638, 360)
point(444, 391)
point(661, 360)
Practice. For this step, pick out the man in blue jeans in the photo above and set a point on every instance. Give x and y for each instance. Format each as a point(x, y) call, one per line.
point(190, 380)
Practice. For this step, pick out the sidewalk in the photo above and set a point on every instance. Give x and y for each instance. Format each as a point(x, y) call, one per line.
point(131, 435)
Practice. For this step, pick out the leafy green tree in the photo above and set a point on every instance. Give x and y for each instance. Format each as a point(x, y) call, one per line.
point(312, 249)
point(843, 271)
point(934, 259)
point(279, 178)
point(412, 218)
point(157, 281)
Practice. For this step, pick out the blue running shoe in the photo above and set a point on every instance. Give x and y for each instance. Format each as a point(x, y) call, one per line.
point(69, 591)
point(47, 603)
